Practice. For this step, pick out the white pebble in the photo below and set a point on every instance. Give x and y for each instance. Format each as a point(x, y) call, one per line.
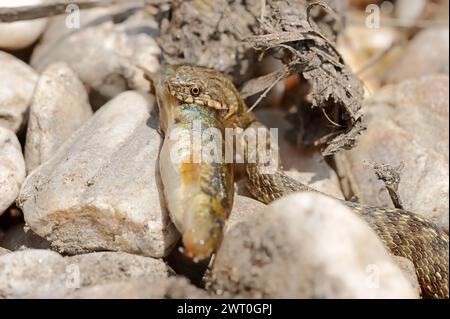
point(20, 34)
point(12, 168)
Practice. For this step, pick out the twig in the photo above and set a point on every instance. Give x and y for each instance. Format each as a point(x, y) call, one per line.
point(259, 84)
point(330, 120)
point(391, 179)
point(263, 95)
point(48, 10)
point(375, 59)
point(326, 7)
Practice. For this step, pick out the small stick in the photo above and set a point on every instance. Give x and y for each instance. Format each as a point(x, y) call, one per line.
point(48, 10)
point(377, 58)
point(391, 179)
point(263, 95)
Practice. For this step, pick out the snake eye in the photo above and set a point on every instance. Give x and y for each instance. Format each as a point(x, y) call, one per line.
point(195, 91)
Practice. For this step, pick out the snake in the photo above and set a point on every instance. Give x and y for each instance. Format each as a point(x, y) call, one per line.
point(185, 93)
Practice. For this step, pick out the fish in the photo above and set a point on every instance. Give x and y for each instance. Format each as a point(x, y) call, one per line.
point(198, 184)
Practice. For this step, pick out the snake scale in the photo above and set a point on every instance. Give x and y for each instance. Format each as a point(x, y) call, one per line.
point(403, 233)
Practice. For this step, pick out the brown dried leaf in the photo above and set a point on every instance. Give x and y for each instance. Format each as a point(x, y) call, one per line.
point(225, 34)
point(335, 89)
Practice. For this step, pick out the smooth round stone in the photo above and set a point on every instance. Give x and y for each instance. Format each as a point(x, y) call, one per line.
point(20, 34)
point(305, 245)
point(12, 168)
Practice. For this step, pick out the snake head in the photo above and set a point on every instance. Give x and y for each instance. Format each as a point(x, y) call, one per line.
point(201, 86)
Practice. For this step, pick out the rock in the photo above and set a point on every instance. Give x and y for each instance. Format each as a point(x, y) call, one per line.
point(33, 274)
point(306, 246)
point(100, 190)
point(108, 66)
point(305, 165)
point(106, 267)
point(360, 45)
point(244, 208)
point(46, 274)
point(173, 287)
point(20, 34)
point(16, 237)
point(59, 106)
point(409, 271)
point(409, 10)
point(326, 184)
point(17, 81)
point(12, 168)
point(426, 54)
point(413, 116)
point(4, 251)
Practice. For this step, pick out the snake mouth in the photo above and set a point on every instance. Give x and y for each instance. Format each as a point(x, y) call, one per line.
point(167, 103)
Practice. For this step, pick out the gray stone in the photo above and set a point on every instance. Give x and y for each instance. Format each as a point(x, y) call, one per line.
point(244, 208)
point(32, 274)
point(4, 251)
point(100, 190)
point(59, 106)
point(17, 81)
point(143, 288)
point(407, 123)
point(306, 246)
point(107, 66)
point(305, 165)
point(409, 271)
point(106, 267)
point(46, 274)
point(409, 10)
point(20, 34)
point(12, 168)
point(426, 54)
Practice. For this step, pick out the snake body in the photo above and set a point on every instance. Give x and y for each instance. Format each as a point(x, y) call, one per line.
point(403, 233)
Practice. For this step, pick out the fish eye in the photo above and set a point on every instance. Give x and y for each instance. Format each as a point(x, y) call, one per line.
point(195, 90)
